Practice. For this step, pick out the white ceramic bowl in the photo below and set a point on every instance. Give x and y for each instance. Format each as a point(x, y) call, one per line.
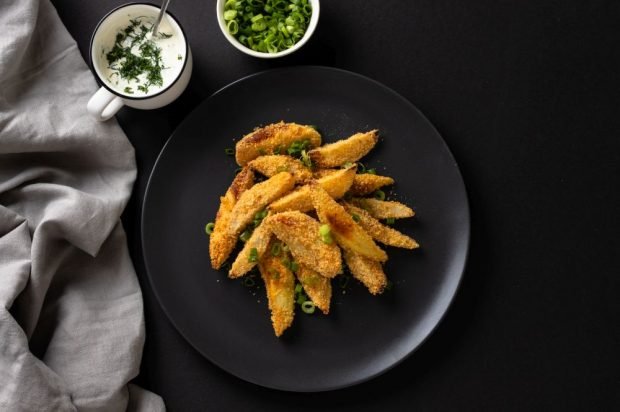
point(314, 20)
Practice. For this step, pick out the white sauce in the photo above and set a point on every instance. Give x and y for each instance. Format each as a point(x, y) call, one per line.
point(173, 50)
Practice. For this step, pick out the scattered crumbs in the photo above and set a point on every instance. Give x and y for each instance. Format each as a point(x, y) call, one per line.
point(218, 281)
point(344, 292)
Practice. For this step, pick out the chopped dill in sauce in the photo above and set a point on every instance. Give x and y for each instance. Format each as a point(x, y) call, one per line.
point(134, 54)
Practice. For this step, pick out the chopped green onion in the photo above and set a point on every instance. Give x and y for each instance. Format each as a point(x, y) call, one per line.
point(276, 249)
point(372, 171)
point(308, 307)
point(347, 165)
point(259, 216)
point(209, 228)
point(248, 282)
point(267, 26)
point(361, 168)
point(298, 288)
point(379, 194)
point(325, 234)
point(355, 217)
point(390, 221)
point(253, 256)
point(230, 14)
point(305, 159)
point(245, 235)
point(229, 151)
point(301, 299)
point(294, 266)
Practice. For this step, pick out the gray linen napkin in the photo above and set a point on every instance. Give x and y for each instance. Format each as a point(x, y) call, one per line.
point(71, 315)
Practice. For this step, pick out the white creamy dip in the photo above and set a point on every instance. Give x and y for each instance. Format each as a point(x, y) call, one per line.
point(133, 62)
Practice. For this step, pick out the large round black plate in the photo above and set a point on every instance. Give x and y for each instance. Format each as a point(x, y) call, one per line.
point(363, 335)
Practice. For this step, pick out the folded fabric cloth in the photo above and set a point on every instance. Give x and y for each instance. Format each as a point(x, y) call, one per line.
point(71, 315)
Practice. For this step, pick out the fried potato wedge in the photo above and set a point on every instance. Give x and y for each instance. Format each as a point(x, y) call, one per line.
point(257, 198)
point(221, 243)
point(300, 233)
point(366, 183)
point(259, 240)
point(343, 151)
point(274, 164)
point(383, 209)
point(367, 271)
point(336, 184)
point(280, 287)
point(317, 287)
point(379, 231)
point(278, 135)
point(348, 234)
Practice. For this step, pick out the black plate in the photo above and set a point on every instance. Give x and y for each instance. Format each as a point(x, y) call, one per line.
point(363, 335)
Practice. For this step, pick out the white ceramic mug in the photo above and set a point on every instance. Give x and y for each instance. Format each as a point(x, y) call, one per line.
point(111, 97)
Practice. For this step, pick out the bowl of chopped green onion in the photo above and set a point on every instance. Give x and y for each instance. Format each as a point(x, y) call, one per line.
point(268, 28)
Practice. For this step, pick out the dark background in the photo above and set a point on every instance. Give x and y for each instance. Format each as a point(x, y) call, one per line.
point(526, 94)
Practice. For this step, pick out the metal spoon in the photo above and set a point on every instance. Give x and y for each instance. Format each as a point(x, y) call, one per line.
point(164, 7)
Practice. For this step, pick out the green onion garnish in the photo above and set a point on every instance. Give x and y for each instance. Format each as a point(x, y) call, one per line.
point(347, 165)
point(308, 307)
point(267, 26)
point(372, 171)
point(276, 249)
point(253, 256)
point(209, 228)
point(259, 216)
point(248, 282)
point(390, 221)
point(325, 234)
point(245, 235)
point(379, 194)
point(355, 217)
point(361, 168)
point(301, 299)
point(229, 151)
point(294, 267)
point(298, 288)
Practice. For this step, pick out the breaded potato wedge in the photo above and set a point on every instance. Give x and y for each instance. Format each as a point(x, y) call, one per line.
point(317, 287)
point(336, 184)
point(343, 151)
point(300, 233)
point(266, 139)
point(259, 240)
point(367, 271)
point(221, 243)
point(280, 287)
point(366, 183)
point(383, 209)
point(348, 234)
point(273, 164)
point(378, 231)
point(257, 198)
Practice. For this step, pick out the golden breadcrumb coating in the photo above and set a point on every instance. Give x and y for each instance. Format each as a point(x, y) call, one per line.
point(317, 287)
point(366, 183)
point(348, 234)
point(265, 140)
point(274, 164)
point(336, 184)
point(367, 271)
point(383, 209)
point(378, 231)
point(300, 233)
point(343, 151)
point(257, 198)
point(280, 287)
point(221, 243)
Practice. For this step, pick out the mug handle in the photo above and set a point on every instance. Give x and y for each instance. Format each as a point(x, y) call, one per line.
point(104, 104)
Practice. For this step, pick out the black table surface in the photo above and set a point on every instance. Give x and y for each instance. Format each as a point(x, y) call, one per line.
point(527, 97)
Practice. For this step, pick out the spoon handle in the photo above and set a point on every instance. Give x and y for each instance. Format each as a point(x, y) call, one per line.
point(164, 7)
